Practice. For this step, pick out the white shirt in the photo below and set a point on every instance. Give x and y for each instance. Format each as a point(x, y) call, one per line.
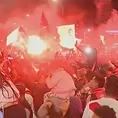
point(112, 103)
point(61, 83)
point(7, 95)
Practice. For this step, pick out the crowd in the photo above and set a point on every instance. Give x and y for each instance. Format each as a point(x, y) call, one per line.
point(58, 90)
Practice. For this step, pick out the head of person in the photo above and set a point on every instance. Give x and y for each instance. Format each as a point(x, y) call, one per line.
point(104, 112)
point(49, 110)
point(97, 81)
point(70, 32)
point(54, 112)
point(111, 86)
point(21, 87)
point(89, 76)
point(105, 70)
point(14, 74)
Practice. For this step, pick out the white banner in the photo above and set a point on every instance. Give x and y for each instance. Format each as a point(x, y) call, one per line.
point(12, 37)
point(67, 36)
point(17, 36)
point(66, 30)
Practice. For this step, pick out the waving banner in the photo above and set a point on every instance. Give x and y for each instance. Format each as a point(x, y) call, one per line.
point(17, 36)
point(66, 30)
point(67, 36)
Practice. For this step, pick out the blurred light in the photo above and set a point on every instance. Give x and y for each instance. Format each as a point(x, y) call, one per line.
point(14, 23)
point(27, 15)
point(88, 50)
point(55, 37)
point(10, 58)
point(35, 45)
point(102, 39)
point(89, 30)
point(112, 31)
point(54, 0)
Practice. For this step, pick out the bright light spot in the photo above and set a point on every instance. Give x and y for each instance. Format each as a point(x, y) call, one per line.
point(35, 45)
point(89, 30)
point(27, 15)
point(88, 50)
point(54, 0)
point(45, 27)
point(102, 39)
point(10, 58)
point(55, 37)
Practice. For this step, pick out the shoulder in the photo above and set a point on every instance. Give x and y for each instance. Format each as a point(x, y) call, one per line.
point(93, 105)
point(88, 112)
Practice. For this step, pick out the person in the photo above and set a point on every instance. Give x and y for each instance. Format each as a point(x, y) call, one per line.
point(57, 83)
point(111, 92)
point(104, 112)
point(4, 64)
point(75, 109)
point(59, 94)
point(26, 99)
point(50, 110)
point(83, 93)
point(37, 89)
point(9, 99)
point(70, 32)
point(96, 85)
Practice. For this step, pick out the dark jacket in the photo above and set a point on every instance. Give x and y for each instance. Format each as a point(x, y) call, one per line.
point(37, 90)
point(75, 109)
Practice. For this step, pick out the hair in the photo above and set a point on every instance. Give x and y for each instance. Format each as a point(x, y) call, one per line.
point(53, 112)
point(70, 30)
point(105, 112)
point(111, 86)
point(104, 68)
point(89, 75)
point(100, 80)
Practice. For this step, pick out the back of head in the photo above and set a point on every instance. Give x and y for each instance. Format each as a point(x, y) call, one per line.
point(111, 86)
point(54, 112)
point(89, 75)
point(100, 80)
point(105, 112)
point(49, 110)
